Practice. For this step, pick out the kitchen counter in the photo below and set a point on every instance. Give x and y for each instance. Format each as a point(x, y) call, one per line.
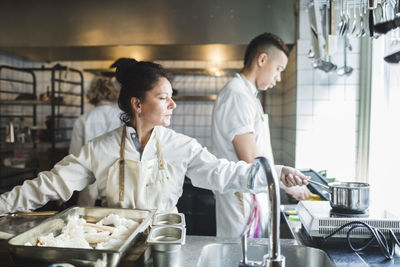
point(189, 254)
point(340, 252)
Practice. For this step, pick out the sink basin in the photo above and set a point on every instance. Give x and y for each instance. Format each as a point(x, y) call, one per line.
point(229, 255)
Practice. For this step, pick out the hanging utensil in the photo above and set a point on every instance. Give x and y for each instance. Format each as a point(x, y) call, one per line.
point(398, 8)
point(384, 27)
point(347, 19)
point(345, 70)
point(318, 62)
point(313, 30)
point(371, 7)
point(361, 31)
point(354, 25)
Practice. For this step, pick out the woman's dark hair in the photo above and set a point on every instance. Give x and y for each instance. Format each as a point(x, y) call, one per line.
point(136, 78)
point(263, 43)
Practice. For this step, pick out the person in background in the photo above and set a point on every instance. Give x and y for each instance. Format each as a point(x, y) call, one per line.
point(240, 131)
point(141, 164)
point(103, 95)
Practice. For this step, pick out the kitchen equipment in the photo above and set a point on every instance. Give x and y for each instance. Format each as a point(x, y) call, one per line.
point(384, 27)
point(55, 224)
point(371, 7)
point(319, 220)
point(177, 219)
point(166, 238)
point(347, 197)
point(354, 25)
point(393, 58)
point(344, 20)
point(37, 213)
point(10, 138)
point(318, 62)
point(361, 26)
point(166, 242)
point(345, 70)
point(398, 8)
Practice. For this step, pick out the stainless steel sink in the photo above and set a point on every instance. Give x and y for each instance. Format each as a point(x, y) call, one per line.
point(229, 255)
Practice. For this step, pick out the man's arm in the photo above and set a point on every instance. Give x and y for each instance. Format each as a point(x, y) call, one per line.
point(245, 147)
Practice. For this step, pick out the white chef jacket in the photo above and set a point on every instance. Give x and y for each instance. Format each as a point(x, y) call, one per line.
point(237, 111)
point(102, 119)
point(184, 154)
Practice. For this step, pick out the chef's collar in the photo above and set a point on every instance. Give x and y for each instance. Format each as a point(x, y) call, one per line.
point(249, 85)
point(135, 139)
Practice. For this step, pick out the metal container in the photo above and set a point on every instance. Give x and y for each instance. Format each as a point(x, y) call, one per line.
point(55, 224)
point(166, 238)
point(177, 219)
point(347, 197)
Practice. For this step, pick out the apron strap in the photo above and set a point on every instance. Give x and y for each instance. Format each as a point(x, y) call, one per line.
point(159, 152)
point(122, 165)
point(161, 165)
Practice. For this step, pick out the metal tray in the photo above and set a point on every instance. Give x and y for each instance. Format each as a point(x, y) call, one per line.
point(55, 223)
point(177, 219)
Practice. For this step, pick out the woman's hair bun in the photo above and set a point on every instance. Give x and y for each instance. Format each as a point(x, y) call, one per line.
point(123, 66)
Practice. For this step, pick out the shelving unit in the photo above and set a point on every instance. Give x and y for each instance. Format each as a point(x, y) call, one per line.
point(16, 83)
point(26, 83)
point(57, 101)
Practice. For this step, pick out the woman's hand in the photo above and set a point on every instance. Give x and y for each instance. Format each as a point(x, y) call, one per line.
point(292, 177)
point(298, 192)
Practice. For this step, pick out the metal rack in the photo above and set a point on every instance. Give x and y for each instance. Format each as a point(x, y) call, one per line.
point(23, 81)
point(27, 81)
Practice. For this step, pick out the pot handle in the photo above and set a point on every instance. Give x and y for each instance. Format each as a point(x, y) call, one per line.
point(316, 183)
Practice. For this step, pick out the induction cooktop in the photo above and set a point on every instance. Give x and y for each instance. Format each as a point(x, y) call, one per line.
point(319, 220)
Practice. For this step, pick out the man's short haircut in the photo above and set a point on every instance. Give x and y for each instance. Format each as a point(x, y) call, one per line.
point(262, 44)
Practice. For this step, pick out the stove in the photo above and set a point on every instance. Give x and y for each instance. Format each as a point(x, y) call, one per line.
point(319, 220)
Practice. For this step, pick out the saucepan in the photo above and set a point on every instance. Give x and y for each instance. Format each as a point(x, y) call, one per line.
point(347, 197)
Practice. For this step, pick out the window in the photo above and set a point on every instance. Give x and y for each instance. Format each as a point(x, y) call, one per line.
point(384, 161)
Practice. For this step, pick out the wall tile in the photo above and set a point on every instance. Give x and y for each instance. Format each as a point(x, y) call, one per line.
point(304, 122)
point(303, 46)
point(320, 77)
point(321, 92)
point(351, 92)
point(304, 107)
point(305, 77)
point(304, 92)
point(304, 63)
point(336, 92)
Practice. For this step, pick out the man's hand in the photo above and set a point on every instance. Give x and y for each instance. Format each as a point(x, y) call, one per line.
point(292, 177)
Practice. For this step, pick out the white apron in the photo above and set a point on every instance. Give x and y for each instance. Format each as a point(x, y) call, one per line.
point(263, 141)
point(142, 184)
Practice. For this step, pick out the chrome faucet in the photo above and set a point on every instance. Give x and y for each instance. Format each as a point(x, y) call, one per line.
point(274, 257)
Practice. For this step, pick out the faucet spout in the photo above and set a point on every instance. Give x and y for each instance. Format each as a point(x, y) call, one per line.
point(274, 257)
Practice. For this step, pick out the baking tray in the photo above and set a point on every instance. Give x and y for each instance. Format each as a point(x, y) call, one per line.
point(315, 176)
point(55, 224)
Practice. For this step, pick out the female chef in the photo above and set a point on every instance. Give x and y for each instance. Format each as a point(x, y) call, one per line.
point(141, 164)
